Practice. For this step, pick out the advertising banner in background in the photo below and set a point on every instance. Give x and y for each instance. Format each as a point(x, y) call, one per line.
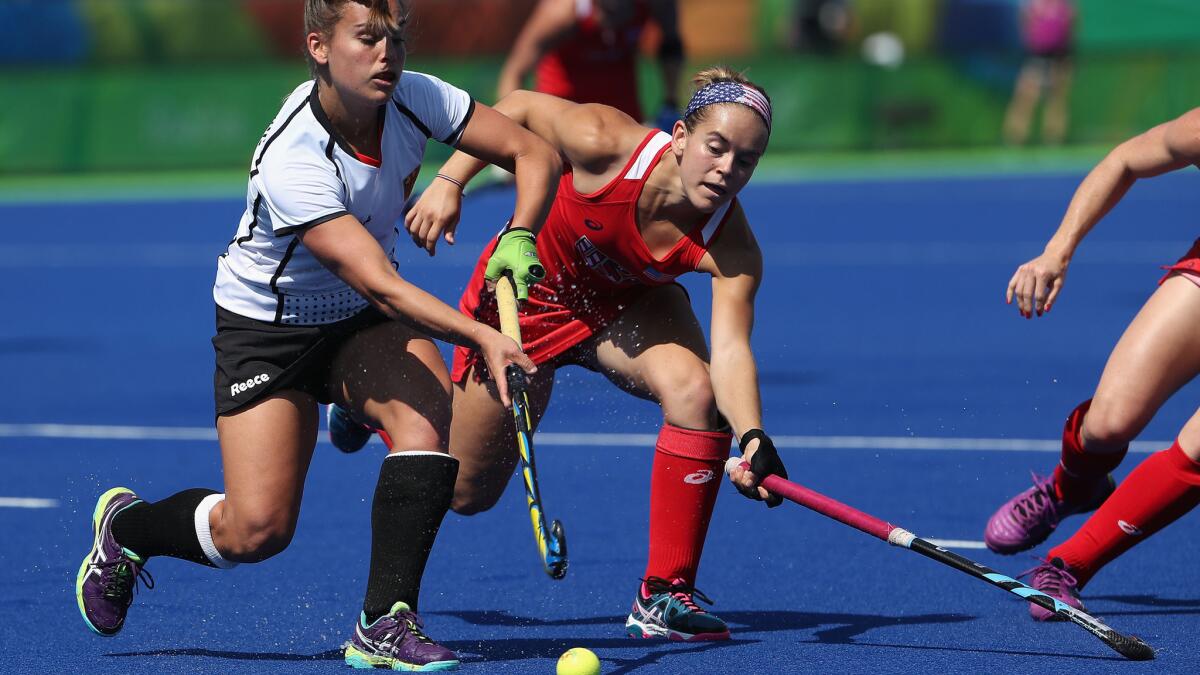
point(155, 84)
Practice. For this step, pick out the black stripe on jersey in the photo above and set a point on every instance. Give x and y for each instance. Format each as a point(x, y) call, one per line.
point(275, 279)
point(413, 117)
point(334, 135)
point(253, 223)
point(263, 152)
point(285, 231)
point(337, 171)
point(453, 139)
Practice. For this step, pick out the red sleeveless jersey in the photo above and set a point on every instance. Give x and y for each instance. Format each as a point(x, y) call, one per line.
point(597, 263)
point(596, 65)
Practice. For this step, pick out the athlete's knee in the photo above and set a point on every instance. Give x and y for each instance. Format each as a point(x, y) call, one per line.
point(479, 487)
point(254, 537)
point(410, 429)
point(689, 395)
point(470, 501)
point(1113, 423)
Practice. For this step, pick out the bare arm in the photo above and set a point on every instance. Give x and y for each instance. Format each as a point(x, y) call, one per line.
point(490, 137)
point(552, 22)
point(1167, 147)
point(593, 138)
point(1164, 148)
point(345, 248)
point(735, 264)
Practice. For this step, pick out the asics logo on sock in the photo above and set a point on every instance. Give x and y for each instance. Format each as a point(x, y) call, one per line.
point(1129, 529)
point(699, 477)
point(235, 389)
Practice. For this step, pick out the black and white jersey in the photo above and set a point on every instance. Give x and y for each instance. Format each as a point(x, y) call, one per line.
point(304, 173)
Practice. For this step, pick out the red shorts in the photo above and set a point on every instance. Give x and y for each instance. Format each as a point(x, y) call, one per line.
point(552, 320)
point(1188, 265)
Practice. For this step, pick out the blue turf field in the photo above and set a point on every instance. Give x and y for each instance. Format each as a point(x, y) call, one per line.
point(880, 318)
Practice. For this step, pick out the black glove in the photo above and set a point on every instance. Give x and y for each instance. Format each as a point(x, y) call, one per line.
point(765, 462)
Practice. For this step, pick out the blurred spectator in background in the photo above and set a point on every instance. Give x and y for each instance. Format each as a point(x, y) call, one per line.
point(586, 51)
point(1047, 27)
point(820, 26)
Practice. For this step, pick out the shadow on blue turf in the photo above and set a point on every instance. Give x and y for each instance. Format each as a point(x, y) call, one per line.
point(518, 649)
point(843, 627)
point(481, 651)
point(329, 655)
point(982, 650)
point(1164, 606)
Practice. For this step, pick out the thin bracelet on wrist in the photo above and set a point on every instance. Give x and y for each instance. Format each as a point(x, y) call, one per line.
point(452, 180)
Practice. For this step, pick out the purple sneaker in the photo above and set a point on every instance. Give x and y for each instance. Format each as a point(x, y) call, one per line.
point(1028, 519)
point(108, 577)
point(1054, 579)
point(397, 641)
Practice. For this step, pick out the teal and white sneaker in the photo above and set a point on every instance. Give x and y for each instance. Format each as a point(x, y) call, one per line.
point(666, 609)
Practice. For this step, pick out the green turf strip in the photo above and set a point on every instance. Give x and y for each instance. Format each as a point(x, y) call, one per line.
point(803, 167)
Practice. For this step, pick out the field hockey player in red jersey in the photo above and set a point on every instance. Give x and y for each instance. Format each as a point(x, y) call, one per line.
point(636, 208)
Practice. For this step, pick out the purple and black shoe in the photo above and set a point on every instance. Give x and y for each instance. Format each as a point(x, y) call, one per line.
point(108, 576)
point(1029, 518)
point(397, 641)
point(1053, 578)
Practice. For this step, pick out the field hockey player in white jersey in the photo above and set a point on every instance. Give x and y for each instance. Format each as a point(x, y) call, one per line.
point(311, 309)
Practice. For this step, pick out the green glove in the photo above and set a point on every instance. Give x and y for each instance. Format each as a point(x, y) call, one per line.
point(516, 252)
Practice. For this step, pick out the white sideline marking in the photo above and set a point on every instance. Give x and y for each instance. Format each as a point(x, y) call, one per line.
point(136, 433)
point(957, 543)
point(27, 503)
point(106, 432)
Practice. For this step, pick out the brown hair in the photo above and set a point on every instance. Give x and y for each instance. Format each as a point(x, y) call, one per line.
point(710, 75)
point(320, 16)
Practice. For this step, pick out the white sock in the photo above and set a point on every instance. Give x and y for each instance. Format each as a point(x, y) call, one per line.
point(204, 534)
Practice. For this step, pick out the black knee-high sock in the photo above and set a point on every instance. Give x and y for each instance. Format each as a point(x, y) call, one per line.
point(166, 527)
point(411, 499)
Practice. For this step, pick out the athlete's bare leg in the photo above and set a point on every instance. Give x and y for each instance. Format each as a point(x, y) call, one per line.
point(1158, 353)
point(266, 448)
point(656, 350)
point(1055, 117)
point(393, 377)
point(483, 439)
point(1019, 117)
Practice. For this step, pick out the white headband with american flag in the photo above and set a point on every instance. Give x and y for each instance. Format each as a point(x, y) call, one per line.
point(728, 91)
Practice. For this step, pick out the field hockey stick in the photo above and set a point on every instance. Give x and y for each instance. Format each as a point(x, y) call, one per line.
point(552, 541)
point(1126, 645)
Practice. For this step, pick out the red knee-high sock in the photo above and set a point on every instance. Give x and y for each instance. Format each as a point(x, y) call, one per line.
point(683, 490)
point(1078, 471)
point(1160, 490)
point(387, 440)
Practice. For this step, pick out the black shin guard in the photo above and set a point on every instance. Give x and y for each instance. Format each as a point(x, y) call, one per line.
point(411, 499)
point(166, 527)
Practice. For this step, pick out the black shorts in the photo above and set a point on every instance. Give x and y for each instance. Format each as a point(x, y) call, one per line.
point(256, 358)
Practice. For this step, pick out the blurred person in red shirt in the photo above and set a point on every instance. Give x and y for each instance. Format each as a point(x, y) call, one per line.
point(586, 51)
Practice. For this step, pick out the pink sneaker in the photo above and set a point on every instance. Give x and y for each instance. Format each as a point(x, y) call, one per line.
point(1028, 519)
point(1053, 578)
